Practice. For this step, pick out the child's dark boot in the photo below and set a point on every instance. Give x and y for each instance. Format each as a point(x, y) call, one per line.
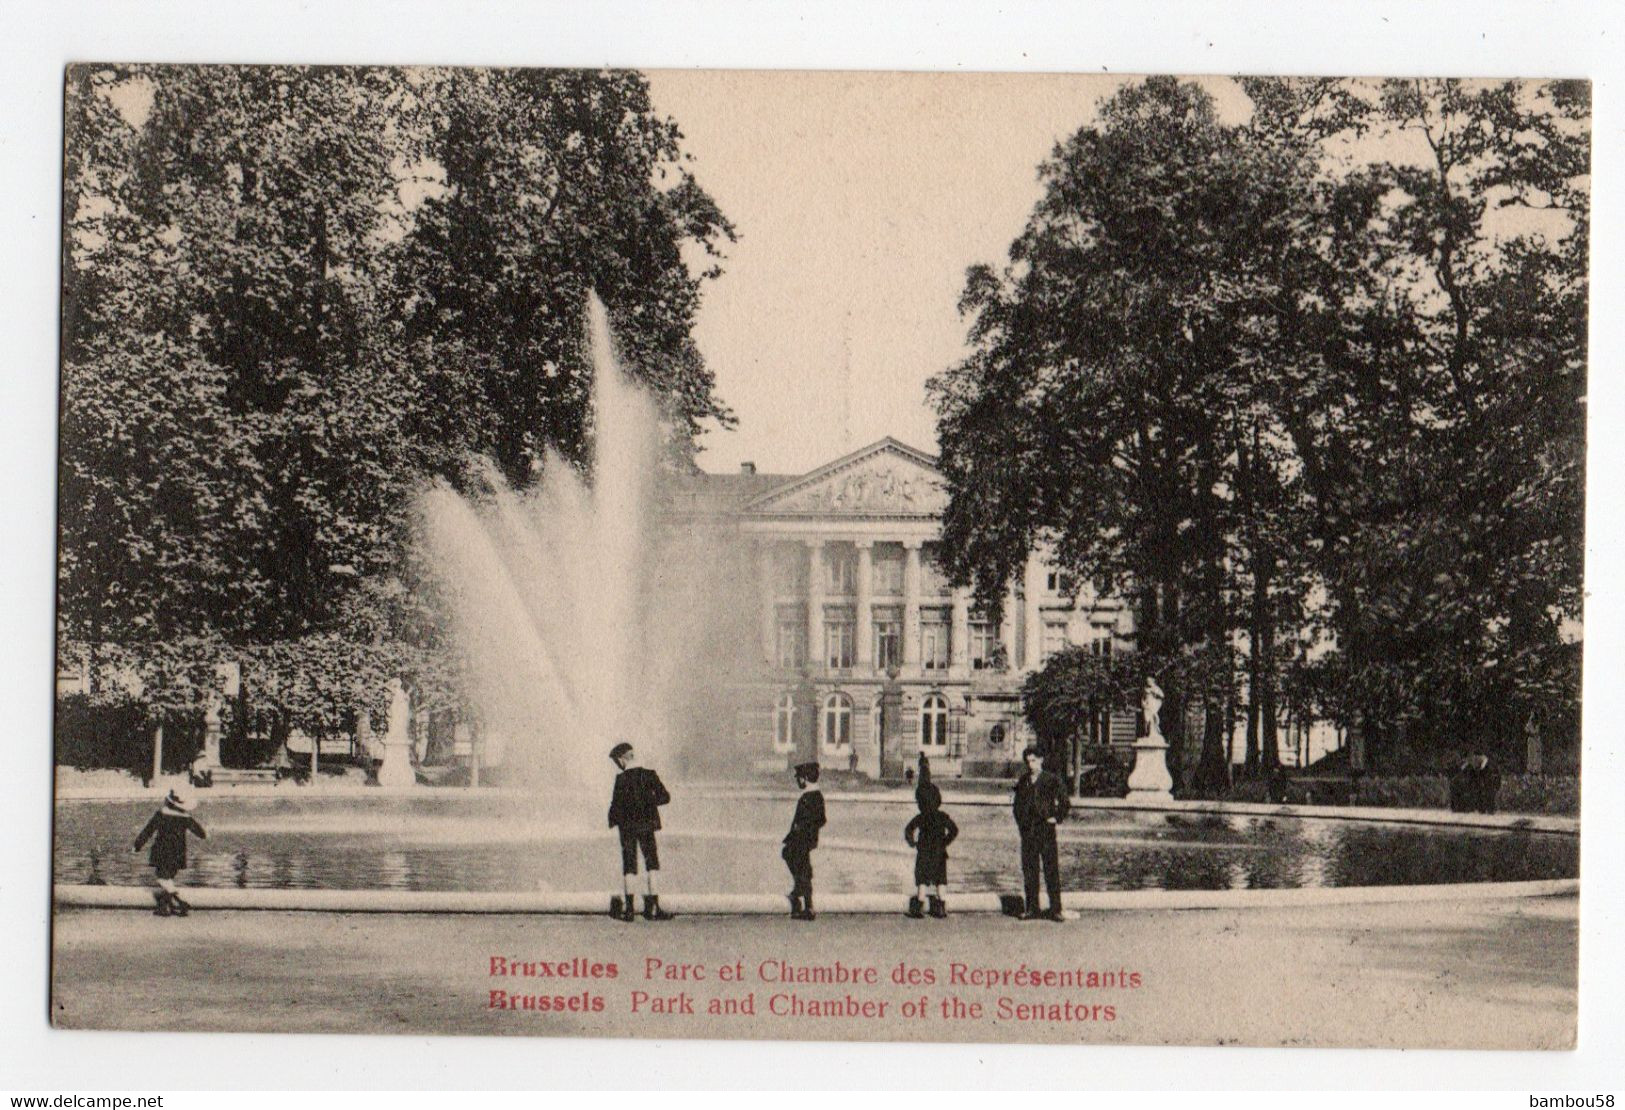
point(652, 910)
point(161, 898)
point(916, 908)
point(178, 906)
point(939, 908)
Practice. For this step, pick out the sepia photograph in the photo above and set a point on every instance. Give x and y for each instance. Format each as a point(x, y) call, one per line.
point(1080, 559)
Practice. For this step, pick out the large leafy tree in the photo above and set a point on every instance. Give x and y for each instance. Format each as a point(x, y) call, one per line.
point(1457, 563)
point(1315, 379)
point(273, 332)
point(540, 186)
point(1111, 408)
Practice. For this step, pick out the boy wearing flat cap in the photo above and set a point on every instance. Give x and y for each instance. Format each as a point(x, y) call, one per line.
point(802, 838)
point(634, 809)
point(167, 829)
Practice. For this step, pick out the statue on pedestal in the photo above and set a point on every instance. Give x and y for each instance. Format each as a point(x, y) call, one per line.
point(396, 768)
point(1150, 780)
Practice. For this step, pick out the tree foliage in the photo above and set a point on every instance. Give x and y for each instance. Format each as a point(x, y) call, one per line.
point(1287, 390)
point(292, 295)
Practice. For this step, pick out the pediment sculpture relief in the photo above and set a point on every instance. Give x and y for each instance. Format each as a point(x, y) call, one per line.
point(883, 486)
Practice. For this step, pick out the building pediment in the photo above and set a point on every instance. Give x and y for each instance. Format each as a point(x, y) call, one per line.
point(885, 479)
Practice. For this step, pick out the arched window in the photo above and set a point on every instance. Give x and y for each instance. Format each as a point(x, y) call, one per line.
point(837, 730)
point(784, 722)
point(934, 722)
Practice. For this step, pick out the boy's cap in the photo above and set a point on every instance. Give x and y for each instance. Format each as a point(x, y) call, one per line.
point(620, 751)
point(173, 800)
point(808, 771)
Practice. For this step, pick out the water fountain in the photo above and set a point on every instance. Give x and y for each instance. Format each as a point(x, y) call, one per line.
point(547, 594)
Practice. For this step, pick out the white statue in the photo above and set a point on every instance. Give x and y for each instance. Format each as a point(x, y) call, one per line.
point(1150, 779)
point(1151, 706)
point(400, 711)
point(396, 767)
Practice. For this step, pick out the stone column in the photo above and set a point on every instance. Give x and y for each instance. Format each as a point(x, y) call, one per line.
point(866, 590)
point(1007, 626)
point(911, 605)
point(891, 739)
point(959, 637)
point(815, 605)
point(1032, 615)
point(769, 601)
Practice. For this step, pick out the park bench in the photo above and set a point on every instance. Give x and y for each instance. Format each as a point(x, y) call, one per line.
point(241, 776)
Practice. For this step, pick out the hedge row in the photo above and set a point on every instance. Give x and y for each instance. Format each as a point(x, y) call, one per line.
point(1537, 794)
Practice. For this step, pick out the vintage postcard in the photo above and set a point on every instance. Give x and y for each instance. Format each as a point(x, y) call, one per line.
point(821, 556)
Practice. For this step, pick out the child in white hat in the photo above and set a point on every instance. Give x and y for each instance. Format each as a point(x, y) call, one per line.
point(167, 830)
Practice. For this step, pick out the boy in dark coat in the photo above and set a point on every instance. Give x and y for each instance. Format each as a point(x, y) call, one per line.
point(1041, 805)
point(929, 834)
point(802, 838)
point(167, 829)
point(634, 808)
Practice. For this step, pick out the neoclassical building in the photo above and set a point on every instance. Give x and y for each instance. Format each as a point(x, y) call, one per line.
point(864, 655)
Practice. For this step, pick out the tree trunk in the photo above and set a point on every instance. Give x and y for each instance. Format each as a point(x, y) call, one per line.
point(1269, 739)
point(1214, 771)
point(1251, 769)
point(1229, 735)
point(158, 749)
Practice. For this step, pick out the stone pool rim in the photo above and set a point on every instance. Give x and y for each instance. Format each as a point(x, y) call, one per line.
point(1505, 822)
point(587, 903)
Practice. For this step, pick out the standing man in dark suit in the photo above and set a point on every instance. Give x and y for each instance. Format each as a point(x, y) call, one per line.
point(634, 808)
point(802, 838)
point(1041, 805)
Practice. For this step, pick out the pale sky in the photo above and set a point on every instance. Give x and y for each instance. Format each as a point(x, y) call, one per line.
point(860, 199)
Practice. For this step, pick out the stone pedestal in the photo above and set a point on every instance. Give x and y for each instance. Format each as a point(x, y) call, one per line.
point(396, 768)
point(1150, 779)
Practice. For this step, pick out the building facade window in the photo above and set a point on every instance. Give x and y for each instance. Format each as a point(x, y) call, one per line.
point(840, 634)
point(888, 570)
point(1059, 582)
point(840, 570)
point(784, 722)
point(934, 642)
point(934, 723)
point(888, 638)
point(1100, 640)
point(837, 724)
point(791, 639)
point(984, 638)
point(1055, 639)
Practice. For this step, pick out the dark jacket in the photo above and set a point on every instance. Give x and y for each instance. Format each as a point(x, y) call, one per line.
point(930, 832)
point(808, 820)
point(168, 833)
point(1037, 800)
point(635, 805)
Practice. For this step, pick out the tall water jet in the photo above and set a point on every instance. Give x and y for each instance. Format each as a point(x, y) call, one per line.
point(547, 595)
